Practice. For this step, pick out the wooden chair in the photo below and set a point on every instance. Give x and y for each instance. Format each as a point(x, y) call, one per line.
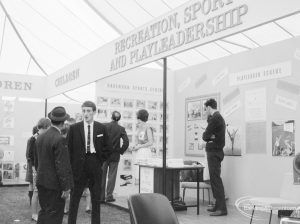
point(189, 181)
point(193, 185)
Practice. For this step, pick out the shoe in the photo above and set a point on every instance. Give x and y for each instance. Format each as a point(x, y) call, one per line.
point(34, 218)
point(213, 209)
point(110, 200)
point(66, 212)
point(88, 211)
point(126, 177)
point(218, 213)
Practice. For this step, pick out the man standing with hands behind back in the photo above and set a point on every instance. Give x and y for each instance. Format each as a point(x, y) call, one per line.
point(116, 133)
point(214, 136)
point(89, 147)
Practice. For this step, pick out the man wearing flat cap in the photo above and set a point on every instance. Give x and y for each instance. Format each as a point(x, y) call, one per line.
point(54, 174)
point(89, 146)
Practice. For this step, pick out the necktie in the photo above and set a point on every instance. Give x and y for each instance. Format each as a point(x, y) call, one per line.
point(88, 145)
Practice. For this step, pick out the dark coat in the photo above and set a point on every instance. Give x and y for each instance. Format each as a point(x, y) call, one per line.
point(216, 126)
point(54, 170)
point(77, 150)
point(30, 158)
point(116, 132)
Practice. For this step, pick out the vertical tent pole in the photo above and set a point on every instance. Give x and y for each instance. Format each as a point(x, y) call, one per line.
point(46, 104)
point(165, 126)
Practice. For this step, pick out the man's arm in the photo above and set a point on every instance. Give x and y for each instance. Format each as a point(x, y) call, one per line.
point(208, 134)
point(107, 145)
point(35, 156)
point(70, 142)
point(62, 165)
point(125, 141)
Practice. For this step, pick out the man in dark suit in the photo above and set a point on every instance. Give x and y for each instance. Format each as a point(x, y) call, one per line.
point(54, 175)
point(89, 147)
point(116, 133)
point(214, 135)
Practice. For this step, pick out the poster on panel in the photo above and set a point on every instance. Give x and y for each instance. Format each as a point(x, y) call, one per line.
point(283, 138)
point(195, 123)
point(232, 141)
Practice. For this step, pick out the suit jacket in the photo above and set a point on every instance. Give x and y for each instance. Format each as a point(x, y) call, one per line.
point(77, 149)
point(216, 127)
point(116, 132)
point(54, 169)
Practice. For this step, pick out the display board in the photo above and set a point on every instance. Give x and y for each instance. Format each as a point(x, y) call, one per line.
point(127, 93)
point(195, 123)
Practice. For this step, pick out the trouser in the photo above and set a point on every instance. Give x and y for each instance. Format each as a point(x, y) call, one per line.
point(214, 160)
point(112, 168)
point(91, 177)
point(52, 206)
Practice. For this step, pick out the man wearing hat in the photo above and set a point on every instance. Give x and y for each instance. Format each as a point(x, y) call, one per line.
point(89, 147)
point(54, 174)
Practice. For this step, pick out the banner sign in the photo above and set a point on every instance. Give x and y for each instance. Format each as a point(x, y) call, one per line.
point(274, 71)
point(22, 85)
point(190, 25)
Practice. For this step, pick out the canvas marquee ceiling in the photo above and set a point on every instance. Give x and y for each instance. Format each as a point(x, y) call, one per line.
point(57, 32)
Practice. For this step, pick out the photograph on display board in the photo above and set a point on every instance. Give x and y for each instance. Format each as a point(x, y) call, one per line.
point(115, 102)
point(8, 122)
point(141, 104)
point(128, 103)
point(232, 141)
point(9, 155)
point(8, 175)
point(102, 114)
point(152, 117)
point(17, 170)
point(195, 144)
point(127, 164)
point(4, 140)
point(195, 123)
point(283, 138)
point(194, 110)
point(9, 106)
point(152, 105)
point(8, 166)
point(102, 101)
point(128, 115)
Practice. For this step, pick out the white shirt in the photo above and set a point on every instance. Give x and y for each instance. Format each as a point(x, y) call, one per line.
point(92, 147)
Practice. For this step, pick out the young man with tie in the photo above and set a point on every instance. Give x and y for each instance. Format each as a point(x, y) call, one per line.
point(89, 147)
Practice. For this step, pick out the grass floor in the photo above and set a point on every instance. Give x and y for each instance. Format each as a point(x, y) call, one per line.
point(14, 208)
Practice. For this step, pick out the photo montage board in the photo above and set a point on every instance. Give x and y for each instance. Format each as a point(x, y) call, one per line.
point(195, 123)
point(283, 138)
